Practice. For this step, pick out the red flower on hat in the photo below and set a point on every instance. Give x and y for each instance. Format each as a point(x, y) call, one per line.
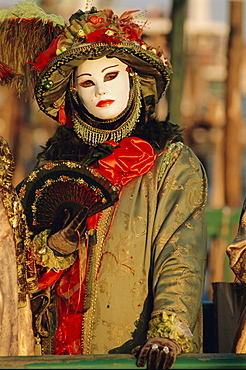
point(107, 35)
point(116, 30)
point(132, 31)
point(95, 20)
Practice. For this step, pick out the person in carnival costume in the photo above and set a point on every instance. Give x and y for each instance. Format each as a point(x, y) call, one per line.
point(128, 278)
point(236, 252)
point(18, 277)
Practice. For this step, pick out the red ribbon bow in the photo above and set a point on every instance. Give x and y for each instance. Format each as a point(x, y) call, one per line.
point(131, 158)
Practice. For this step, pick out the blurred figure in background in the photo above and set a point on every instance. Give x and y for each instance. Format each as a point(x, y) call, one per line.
point(236, 252)
point(18, 275)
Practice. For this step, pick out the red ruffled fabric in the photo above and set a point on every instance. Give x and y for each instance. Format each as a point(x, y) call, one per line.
point(49, 278)
point(131, 158)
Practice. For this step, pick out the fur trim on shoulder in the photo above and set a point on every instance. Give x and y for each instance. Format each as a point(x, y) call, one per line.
point(159, 133)
point(65, 144)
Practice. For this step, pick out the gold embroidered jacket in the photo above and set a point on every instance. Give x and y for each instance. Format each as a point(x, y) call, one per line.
point(150, 256)
point(155, 248)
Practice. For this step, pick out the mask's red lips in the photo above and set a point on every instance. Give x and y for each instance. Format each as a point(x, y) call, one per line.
point(104, 103)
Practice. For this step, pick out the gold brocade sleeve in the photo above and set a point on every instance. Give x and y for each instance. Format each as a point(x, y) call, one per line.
point(180, 242)
point(236, 251)
point(26, 269)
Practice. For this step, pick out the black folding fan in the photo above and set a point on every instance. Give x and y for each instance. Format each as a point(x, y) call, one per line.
point(57, 185)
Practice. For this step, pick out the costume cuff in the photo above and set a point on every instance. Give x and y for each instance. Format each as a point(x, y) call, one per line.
point(169, 326)
point(46, 257)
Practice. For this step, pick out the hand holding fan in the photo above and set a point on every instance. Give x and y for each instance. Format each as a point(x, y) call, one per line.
point(59, 185)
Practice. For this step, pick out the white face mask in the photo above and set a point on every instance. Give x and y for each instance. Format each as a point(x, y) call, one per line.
point(103, 86)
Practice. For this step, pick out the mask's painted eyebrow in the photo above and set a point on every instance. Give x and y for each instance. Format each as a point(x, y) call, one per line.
point(116, 65)
point(104, 69)
point(84, 74)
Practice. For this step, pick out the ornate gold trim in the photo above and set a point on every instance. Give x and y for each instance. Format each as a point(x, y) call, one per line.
point(167, 157)
point(26, 271)
point(95, 259)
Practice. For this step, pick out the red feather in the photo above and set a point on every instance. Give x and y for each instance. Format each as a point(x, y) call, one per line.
point(5, 73)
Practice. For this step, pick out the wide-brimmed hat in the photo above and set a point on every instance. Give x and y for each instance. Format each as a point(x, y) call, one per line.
point(92, 35)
